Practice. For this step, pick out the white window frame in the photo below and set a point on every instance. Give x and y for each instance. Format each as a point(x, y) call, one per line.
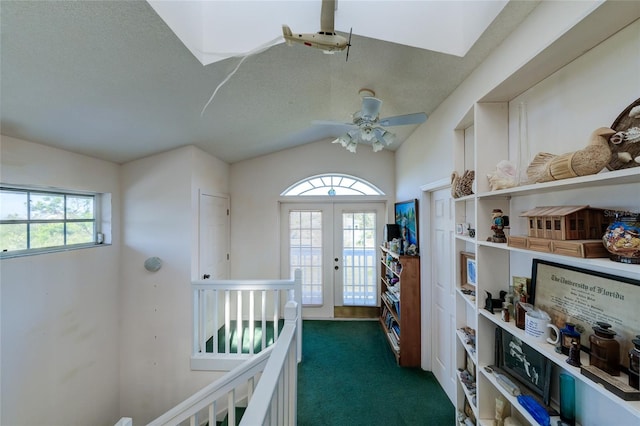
point(97, 209)
point(332, 184)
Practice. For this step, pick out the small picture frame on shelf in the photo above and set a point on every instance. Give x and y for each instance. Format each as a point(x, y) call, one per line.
point(468, 269)
point(523, 363)
point(521, 286)
point(470, 367)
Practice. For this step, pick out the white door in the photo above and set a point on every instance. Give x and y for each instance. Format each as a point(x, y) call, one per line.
point(335, 245)
point(442, 291)
point(213, 238)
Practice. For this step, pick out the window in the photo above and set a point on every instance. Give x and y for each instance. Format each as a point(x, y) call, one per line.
point(39, 221)
point(332, 185)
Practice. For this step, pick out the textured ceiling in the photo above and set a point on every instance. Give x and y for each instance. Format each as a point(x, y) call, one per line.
point(111, 80)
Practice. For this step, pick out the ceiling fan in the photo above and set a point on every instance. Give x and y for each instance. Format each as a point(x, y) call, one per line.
point(368, 127)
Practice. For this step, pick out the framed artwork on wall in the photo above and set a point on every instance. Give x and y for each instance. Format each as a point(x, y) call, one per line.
point(406, 213)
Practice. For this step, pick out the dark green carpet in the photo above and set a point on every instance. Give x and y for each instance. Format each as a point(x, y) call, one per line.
point(233, 332)
point(349, 377)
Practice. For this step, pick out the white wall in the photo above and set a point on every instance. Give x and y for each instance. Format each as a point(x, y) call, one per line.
point(255, 187)
point(427, 155)
point(60, 310)
point(160, 195)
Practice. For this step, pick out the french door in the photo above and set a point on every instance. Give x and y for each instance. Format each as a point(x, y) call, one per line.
point(335, 245)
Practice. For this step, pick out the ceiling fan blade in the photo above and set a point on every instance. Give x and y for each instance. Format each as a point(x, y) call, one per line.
point(401, 120)
point(370, 107)
point(331, 123)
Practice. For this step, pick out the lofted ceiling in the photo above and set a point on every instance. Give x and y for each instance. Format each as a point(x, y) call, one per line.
point(111, 80)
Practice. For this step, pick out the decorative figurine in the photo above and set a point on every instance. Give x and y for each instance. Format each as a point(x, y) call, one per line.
point(590, 160)
point(634, 364)
point(574, 355)
point(498, 222)
point(472, 232)
point(462, 186)
point(490, 303)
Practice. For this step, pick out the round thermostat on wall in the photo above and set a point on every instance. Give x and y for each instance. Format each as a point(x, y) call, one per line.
point(153, 264)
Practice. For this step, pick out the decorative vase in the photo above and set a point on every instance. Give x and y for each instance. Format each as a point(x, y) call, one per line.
point(567, 399)
point(622, 238)
point(605, 349)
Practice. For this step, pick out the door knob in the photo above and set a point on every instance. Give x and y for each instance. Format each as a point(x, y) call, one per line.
point(336, 267)
point(336, 259)
point(206, 276)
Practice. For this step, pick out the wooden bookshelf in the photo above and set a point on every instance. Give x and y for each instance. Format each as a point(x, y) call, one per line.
point(400, 305)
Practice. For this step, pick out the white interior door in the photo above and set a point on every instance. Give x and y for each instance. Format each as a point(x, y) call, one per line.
point(335, 246)
point(213, 239)
point(442, 291)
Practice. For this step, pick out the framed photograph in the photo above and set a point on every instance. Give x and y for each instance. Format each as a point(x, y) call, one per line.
point(468, 269)
point(584, 297)
point(470, 366)
point(407, 219)
point(523, 363)
point(521, 285)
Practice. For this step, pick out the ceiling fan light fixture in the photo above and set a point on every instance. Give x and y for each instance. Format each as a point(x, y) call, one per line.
point(367, 134)
point(377, 146)
point(343, 140)
point(388, 137)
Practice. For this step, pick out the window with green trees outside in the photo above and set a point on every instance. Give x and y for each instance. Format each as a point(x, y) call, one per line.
point(36, 220)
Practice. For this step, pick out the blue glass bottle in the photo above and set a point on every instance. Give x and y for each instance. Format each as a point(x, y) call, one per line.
point(568, 334)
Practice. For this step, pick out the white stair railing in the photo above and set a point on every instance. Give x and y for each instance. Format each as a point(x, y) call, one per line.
point(235, 308)
point(272, 402)
point(275, 401)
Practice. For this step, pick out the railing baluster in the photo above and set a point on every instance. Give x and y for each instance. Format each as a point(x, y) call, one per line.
point(203, 320)
point(276, 314)
point(231, 407)
point(212, 413)
point(264, 319)
point(239, 321)
point(214, 338)
point(252, 317)
point(227, 322)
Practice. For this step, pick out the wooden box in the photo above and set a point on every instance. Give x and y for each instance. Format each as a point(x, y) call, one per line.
point(539, 244)
point(574, 248)
point(580, 248)
point(517, 241)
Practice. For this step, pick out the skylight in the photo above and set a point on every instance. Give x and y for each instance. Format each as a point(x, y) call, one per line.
point(214, 30)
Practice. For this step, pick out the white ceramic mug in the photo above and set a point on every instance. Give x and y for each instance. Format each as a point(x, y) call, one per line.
point(538, 328)
point(462, 228)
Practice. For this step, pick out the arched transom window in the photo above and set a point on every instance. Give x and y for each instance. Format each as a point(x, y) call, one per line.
point(332, 185)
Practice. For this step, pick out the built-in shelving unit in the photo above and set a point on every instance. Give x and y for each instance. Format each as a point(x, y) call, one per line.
point(400, 305)
point(484, 137)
